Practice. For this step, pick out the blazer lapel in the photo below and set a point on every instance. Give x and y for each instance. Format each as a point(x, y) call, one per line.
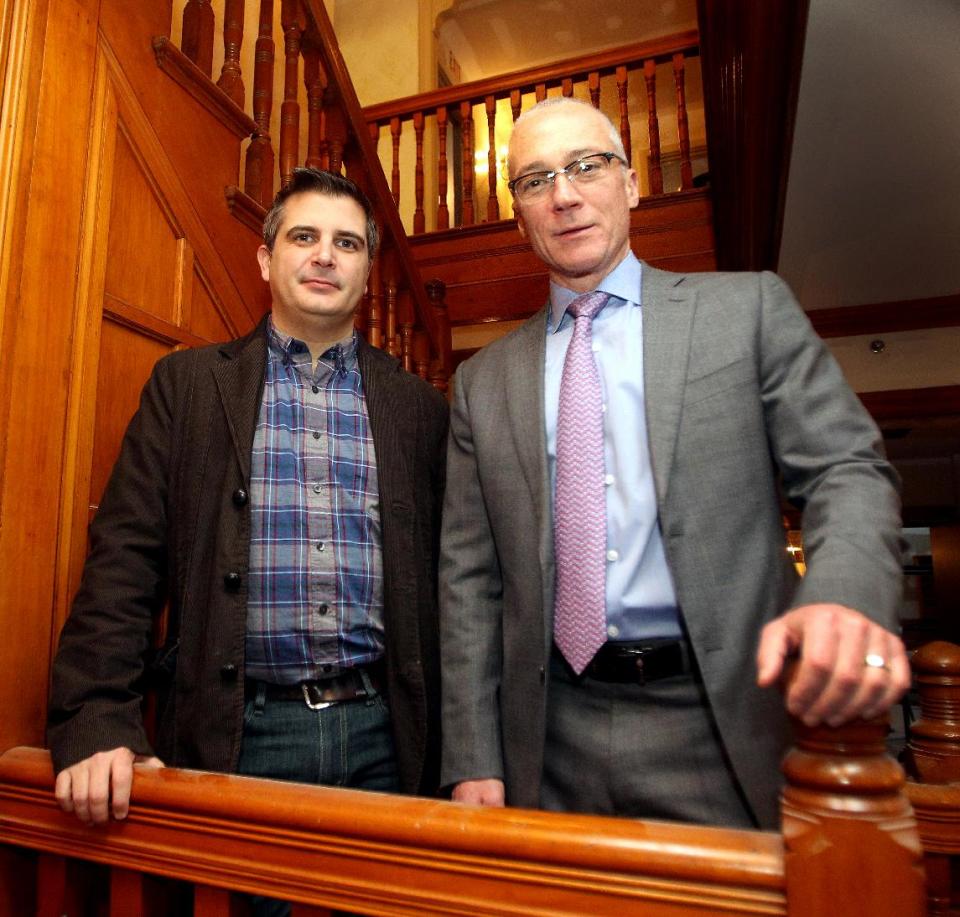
point(524, 396)
point(239, 376)
point(668, 310)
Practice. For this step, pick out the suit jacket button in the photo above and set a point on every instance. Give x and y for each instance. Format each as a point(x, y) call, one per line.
point(228, 672)
point(240, 497)
point(543, 675)
point(232, 581)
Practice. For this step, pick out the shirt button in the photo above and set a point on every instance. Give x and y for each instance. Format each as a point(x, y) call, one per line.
point(320, 546)
point(323, 609)
point(609, 479)
point(613, 555)
point(603, 408)
point(613, 631)
point(595, 346)
point(316, 389)
point(327, 667)
point(316, 434)
point(318, 488)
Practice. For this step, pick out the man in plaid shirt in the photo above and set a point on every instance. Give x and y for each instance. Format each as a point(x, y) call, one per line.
point(282, 492)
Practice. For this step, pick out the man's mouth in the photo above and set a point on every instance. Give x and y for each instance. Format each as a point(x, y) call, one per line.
point(573, 231)
point(321, 283)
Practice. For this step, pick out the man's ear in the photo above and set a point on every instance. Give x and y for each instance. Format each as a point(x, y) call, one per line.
point(263, 256)
point(633, 188)
point(518, 213)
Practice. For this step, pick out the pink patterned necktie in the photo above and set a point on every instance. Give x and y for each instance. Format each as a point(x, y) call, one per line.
point(580, 517)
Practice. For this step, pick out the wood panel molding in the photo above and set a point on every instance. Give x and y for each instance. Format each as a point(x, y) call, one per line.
point(248, 211)
point(908, 403)
point(172, 61)
point(173, 198)
point(886, 317)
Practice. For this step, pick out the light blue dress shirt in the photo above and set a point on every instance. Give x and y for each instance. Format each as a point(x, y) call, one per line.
point(641, 601)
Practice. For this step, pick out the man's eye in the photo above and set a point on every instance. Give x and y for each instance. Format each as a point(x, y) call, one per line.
point(534, 183)
point(588, 165)
point(303, 238)
point(350, 245)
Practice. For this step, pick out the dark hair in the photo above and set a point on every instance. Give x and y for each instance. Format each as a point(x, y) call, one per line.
point(315, 181)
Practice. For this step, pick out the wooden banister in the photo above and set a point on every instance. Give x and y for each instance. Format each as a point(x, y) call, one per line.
point(849, 845)
point(603, 62)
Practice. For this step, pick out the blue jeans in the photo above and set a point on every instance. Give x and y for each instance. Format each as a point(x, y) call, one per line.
point(348, 744)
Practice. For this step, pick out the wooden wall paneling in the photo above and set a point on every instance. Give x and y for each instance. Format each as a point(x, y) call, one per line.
point(41, 294)
point(206, 320)
point(173, 198)
point(85, 347)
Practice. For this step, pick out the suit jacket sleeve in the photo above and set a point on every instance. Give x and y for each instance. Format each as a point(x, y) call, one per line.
point(99, 667)
point(470, 611)
point(830, 456)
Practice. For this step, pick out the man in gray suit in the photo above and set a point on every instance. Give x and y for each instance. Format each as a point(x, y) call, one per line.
point(709, 389)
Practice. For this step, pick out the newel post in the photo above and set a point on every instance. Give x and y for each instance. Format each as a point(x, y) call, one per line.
point(933, 752)
point(850, 835)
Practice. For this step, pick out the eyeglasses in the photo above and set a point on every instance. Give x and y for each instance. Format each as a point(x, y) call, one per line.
point(587, 169)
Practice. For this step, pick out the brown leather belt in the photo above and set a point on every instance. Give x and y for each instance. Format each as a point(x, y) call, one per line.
point(324, 692)
point(638, 663)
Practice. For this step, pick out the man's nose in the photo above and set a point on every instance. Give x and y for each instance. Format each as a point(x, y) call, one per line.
point(322, 252)
point(564, 191)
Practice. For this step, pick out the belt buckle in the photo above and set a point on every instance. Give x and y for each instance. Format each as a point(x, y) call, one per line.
point(314, 705)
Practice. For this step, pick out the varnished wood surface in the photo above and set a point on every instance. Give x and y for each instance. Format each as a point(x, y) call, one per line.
point(398, 855)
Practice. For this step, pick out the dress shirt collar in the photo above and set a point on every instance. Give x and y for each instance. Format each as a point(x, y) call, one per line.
point(340, 357)
point(623, 282)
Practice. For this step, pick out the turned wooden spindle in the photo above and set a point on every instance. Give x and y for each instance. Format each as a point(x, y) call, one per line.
point(466, 144)
point(375, 305)
point(390, 344)
point(516, 100)
point(231, 78)
point(933, 752)
point(315, 82)
point(443, 213)
point(653, 126)
point(593, 84)
point(421, 353)
point(196, 39)
point(396, 126)
point(845, 815)
point(622, 88)
point(439, 371)
point(493, 205)
point(335, 132)
point(406, 345)
point(290, 106)
point(683, 130)
point(419, 218)
point(258, 174)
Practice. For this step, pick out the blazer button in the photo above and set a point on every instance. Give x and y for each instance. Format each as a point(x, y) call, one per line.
point(240, 497)
point(228, 672)
point(232, 581)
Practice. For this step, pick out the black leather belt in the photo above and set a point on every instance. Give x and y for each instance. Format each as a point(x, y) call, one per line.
point(324, 692)
point(638, 663)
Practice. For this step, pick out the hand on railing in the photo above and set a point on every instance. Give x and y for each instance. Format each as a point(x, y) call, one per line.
point(99, 786)
point(848, 667)
point(488, 792)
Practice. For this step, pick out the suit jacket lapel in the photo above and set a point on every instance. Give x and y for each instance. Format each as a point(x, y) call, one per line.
point(239, 376)
point(668, 310)
point(524, 395)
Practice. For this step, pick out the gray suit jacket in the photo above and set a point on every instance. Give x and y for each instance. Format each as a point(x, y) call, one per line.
point(740, 394)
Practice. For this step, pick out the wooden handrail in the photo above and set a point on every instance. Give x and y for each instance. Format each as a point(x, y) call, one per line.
point(660, 49)
point(849, 844)
point(393, 854)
